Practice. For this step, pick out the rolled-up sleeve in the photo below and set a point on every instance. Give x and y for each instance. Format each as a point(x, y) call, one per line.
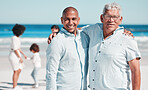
point(132, 50)
point(53, 54)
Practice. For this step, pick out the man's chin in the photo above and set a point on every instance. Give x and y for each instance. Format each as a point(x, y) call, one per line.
point(111, 28)
point(71, 30)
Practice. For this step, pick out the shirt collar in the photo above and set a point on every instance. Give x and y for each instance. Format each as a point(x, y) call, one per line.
point(36, 53)
point(119, 29)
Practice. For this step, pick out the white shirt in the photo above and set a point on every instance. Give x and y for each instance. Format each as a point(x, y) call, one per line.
point(15, 45)
point(36, 60)
point(66, 67)
point(108, 62)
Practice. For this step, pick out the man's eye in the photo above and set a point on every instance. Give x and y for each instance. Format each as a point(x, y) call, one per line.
point(74, 18)
point(114, 17)
point(66, 19)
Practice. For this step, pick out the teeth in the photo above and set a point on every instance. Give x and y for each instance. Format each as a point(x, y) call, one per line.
point(110, 24)
point(70, 26)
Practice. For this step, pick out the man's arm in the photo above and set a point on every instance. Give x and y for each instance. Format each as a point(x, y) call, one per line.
point(51, 36)
point(136, 75)
point(52, 64)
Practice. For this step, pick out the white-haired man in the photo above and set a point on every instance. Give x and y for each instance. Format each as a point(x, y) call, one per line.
point(112, 55)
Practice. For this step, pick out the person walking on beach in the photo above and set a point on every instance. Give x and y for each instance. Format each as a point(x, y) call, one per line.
point(66, 66)
point(37, 63)
point(112, 55)
point(15, 54)
point(55, 30)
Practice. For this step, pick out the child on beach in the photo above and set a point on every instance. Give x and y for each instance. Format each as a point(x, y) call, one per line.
point(37, 63)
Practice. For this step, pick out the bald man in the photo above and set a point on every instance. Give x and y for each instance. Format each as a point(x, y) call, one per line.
point(66, 67)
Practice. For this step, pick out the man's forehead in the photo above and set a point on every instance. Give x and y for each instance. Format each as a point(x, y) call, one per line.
point(112, 11)
point(71, 14)
point(70, 10)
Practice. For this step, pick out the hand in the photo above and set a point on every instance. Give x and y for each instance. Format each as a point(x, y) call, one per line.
point(25, 56)
point(79, 28)
point(51, 37)
point(48, 41)
point(128, 33)
point(21, 60)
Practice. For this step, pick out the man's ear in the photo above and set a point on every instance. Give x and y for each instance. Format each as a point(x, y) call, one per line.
point(121, 20)
point(62, 20)
point(78, 20)
point(101, 17)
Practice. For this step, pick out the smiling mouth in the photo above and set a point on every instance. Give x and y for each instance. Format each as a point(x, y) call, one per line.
point(110, 24)
point(71, 27)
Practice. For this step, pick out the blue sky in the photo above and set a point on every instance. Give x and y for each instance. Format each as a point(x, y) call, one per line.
point(49, 11)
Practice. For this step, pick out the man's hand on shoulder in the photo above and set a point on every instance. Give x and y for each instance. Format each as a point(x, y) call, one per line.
point(50, 38)
point(126, 32)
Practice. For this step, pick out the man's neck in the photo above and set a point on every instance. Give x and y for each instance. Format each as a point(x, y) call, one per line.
point(75, 32)
point(107, 33)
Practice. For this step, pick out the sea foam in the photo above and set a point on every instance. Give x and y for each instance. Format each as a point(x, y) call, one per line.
point(5, 42)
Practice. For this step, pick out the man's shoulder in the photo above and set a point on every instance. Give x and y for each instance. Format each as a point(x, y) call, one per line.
point(129, 39)
point(57, 44)
point(93, 29)
point(92, 26)
point(59, 39)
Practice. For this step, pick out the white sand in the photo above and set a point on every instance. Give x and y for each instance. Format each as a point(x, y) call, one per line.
point(25, 80)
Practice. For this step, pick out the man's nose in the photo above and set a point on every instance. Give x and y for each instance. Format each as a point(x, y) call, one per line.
point(111, 19)
point(70, 22)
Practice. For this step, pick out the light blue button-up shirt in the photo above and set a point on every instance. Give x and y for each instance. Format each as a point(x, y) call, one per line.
point(66, 67)
point(108, 59)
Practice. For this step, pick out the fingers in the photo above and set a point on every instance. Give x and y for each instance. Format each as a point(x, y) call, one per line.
point(48, 41)
point(125, 30)
point(128, 33)
point(25, 56)
point(79, 28)
point(21, 61)
point(54, 34)
point(132, 35)
point(51, 36)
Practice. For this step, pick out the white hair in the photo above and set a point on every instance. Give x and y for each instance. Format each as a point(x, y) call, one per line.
point(112, 6)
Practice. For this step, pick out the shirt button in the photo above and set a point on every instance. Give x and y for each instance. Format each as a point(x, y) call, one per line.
point(93, 88)
point(93, 79)
point(99, 51)
point(102, 42)
point(93, 70)
point(95, 60)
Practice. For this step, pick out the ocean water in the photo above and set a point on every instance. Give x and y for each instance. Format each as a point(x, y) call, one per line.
point(43, 31)
point(39, 34)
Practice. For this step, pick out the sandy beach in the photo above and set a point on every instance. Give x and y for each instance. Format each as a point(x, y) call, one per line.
point(25, 80)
